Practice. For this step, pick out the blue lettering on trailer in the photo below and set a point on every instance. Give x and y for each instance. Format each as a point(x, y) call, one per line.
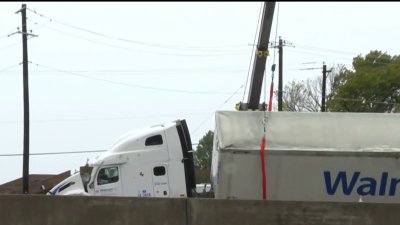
point(363, 185)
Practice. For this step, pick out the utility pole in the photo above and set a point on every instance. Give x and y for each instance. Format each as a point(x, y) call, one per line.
point(25, 185)
point(25, 167)
point(280, 48)
point(280, 45)
point(324, 71)
point(324, 74)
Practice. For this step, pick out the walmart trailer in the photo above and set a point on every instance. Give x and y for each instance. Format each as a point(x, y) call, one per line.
point(338, 157)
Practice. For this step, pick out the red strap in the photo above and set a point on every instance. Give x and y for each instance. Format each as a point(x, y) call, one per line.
point(271, 93)
point(264, 179)
point(263, 143)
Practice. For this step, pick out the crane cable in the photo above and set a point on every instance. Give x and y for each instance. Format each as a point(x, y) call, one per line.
point(264, 140)
point(252, 52)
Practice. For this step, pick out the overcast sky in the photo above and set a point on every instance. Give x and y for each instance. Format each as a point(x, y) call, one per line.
point(99, 70)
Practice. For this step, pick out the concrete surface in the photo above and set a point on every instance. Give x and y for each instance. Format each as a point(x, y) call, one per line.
point(89, 210)
point(251, 212)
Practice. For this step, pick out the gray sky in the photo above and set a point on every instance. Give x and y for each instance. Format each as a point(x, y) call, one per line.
point(99, 70)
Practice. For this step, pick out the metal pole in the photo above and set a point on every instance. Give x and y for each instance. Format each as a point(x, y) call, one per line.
point(280, 75)
point(25, 183)
point(323, 87)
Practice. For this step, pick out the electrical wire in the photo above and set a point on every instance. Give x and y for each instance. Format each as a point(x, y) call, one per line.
point(151, 72)
point(9, 67)
point(102, 119)
point(176, 47)
point(14, 43)
point(272, 70)
point(60, 153)
point(365, 101)
point(54, 153)
point(11, 45)
point(238, 52)
point(219, 107)
point(252, 51)
point(132, 85)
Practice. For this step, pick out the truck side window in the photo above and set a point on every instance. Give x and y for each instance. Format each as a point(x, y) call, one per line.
point(154, 140)
point(159, 171)
point(108, 175)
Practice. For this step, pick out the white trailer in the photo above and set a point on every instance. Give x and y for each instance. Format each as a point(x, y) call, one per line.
point(339, 157)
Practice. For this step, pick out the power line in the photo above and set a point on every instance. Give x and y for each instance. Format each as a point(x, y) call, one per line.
point(127, 72)
point(348, 53)
point(15, 43)
point(3, 36)
point(325, 50)
point(9, 67)
point(365, 58)
point(54, 153)
point(11, 33)
point(311, 53)
point(176, 47)
point(238, 52)
point(10, 45)
point(60, 153)
point(133, 85)
point(252, 52)
point(102, 119)
point(201, 124)
point(39, 26)
point(365, 101)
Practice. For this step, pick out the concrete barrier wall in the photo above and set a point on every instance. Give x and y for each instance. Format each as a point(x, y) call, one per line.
point(241, 212)
point(74, 210)
point(89, 210)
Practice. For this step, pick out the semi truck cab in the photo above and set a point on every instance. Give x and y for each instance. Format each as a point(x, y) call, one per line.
point(155, 161)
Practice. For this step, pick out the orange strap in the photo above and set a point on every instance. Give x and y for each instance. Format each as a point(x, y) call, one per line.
point(271, 93)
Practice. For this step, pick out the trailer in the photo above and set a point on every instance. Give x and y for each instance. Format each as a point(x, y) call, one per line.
point(339, 157)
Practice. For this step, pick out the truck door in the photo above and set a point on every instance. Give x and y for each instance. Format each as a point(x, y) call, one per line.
point(187, 152)
point(108, 181)
point(160, 180)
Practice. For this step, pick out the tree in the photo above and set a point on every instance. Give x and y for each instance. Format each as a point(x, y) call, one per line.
point(306, 96)
point(202, 158)
point(373, 85)
point(203, 153)
point(300, 97)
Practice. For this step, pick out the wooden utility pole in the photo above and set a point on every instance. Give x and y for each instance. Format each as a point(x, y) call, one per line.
point(280, 46)
point(25, 185)
point(324, 74)
point(324, 71)
point(25, 167)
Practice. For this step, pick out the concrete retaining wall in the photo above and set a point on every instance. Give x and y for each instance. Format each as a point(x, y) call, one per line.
point(241, 212)
point(84, 210)
point(74, 210)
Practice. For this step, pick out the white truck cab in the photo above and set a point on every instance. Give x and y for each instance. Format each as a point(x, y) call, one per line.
point(155, 161)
